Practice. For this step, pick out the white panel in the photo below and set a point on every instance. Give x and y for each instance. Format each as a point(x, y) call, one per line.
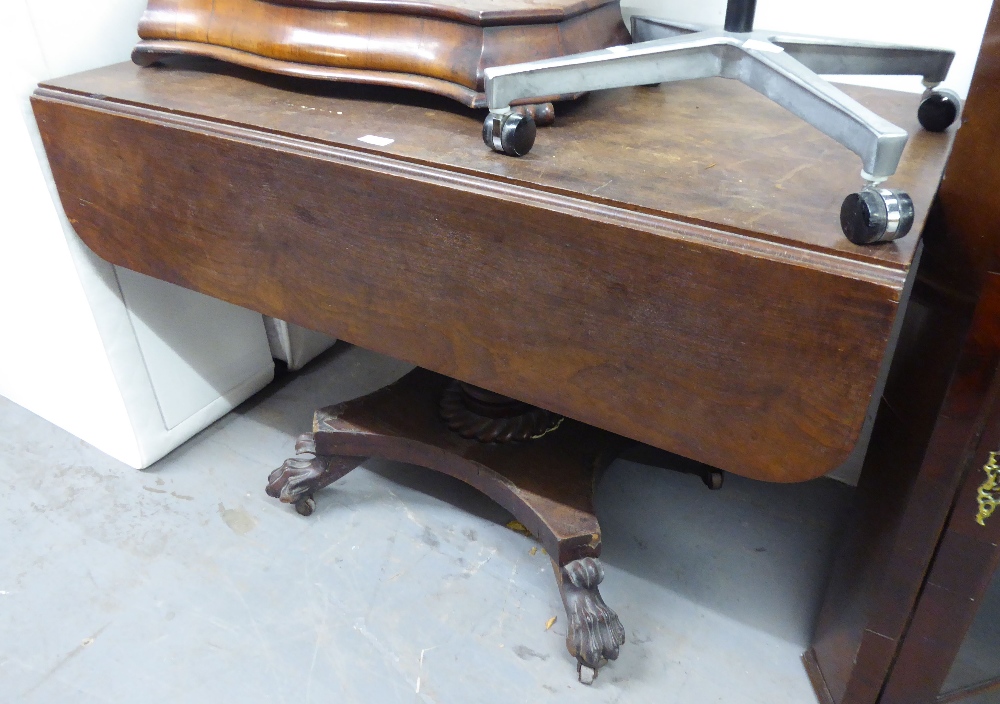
point(277, 338)
point(305, 345)
point(294, 344)
point(196, 348)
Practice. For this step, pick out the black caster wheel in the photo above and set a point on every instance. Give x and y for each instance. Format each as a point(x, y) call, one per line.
point(876, 215)
point(938, 110)
point(512, 133)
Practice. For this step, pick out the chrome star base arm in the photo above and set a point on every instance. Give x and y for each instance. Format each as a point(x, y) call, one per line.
point(750, 58)
point(825, 55)
point(784, 68)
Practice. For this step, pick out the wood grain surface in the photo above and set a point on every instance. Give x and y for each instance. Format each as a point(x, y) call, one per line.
point(547, 484)
point(481, 12)
point(444, 42)
point(613, 276)
point(710, 152)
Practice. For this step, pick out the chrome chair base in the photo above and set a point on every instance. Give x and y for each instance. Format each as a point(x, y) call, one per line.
point(785, 68)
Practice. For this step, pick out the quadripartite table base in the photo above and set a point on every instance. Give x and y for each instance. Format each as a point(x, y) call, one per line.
point(539, 466)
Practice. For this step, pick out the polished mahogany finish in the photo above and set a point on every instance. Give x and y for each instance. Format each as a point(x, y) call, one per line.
point(655, 269)
point(547, 483)
point(436, 46)
point(481, 13)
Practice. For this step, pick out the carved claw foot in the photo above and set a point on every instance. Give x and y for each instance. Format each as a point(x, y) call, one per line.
point(595, 633)
point(295, 481)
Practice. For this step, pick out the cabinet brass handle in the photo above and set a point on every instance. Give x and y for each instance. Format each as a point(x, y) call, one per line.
point(987, 501)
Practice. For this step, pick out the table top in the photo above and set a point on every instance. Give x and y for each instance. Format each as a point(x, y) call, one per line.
point(667, 263)
point(740, 163)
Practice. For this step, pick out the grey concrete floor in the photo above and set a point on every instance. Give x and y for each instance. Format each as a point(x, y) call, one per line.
point(186, 583)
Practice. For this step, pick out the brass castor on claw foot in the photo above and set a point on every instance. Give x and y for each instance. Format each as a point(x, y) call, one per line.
point(305, 507)
point(299, 477)
point(595, 633)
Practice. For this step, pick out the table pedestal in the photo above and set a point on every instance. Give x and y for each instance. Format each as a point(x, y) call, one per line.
point(539, 466)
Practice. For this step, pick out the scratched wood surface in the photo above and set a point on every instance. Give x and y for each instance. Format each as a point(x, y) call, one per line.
point(709, 151)
point(651, 268)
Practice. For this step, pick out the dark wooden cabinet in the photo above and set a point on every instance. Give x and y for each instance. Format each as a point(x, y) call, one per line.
point(916, 565)
point(932, 664)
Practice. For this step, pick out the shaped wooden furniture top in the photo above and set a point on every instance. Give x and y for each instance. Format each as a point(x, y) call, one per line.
point(482, 13)
point(437, 46)
point(666, 264)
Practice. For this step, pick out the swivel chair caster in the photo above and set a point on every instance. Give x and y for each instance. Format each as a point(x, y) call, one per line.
point(938, 109)
point(511, 133)
point(875, 215)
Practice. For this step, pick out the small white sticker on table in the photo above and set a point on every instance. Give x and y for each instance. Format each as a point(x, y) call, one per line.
point(762, 46)
point(618, 49)
point(376, 140)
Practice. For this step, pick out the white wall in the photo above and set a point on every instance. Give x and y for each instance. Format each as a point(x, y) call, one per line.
point(133, 381)
point(957, 25)
point(52, 359)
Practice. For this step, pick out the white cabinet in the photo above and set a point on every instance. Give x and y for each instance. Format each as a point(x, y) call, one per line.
point(132, 365)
